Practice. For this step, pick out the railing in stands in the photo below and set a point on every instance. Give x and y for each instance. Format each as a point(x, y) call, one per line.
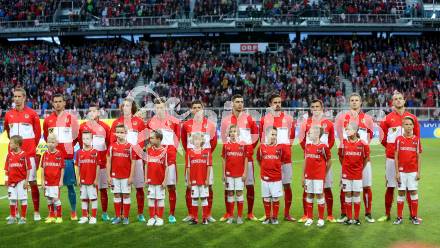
point(364, 18)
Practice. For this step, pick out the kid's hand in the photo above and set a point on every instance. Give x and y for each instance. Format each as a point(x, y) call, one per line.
point(61, 183)
point(206, 183)
point(25, 185)
point(398, 177)
point(109, 181)
point(130, 181)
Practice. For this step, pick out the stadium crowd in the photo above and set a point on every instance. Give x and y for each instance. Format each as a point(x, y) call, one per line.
point(104, 71)
point(26, 10)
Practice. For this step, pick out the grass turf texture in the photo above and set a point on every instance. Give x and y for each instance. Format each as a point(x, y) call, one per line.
point(251, 234)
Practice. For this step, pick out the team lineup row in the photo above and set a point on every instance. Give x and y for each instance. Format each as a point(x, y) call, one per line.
point(115, 156)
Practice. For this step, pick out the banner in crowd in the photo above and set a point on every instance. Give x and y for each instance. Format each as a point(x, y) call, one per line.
point(245, 48)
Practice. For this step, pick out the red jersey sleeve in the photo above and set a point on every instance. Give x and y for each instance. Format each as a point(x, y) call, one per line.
point(113, 131)
point(37, 128)
point(328, 153)
point(292, 130)
point(259, 154)
point(384, 127)
point(331, 135)
point(213, 135)
point(45, 129)
point(254, 131)
point(184, 134)
point(302, 135)
point(366, 151)
point(75, 129)
point(223, 152)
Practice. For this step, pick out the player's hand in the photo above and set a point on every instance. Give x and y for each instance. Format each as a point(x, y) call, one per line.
point(303, 183)
point(130, 181)
point(398, 177)
point(164, 185)
point(244, 178)
point(25, 185)
point(61, 183)
point(417, 176)
point(206, 183)
point(109, 181)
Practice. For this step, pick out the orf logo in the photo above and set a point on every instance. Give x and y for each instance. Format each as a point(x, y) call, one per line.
point(246, 48)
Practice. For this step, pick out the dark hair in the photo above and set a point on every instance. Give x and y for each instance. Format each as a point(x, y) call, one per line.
point(273, 96)
point(158, 134)
point(236, 96)
point(196, 102)
point(409, 118)
point(58, 95)
point(318, 100)
point(120, 126)
point(134, 107)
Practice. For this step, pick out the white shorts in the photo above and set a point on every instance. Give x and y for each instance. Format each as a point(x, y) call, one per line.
point(250, 178)
point(138, 175)
point(312, 186)
point(367, 180)
point(390, 173)
point(120, 186)
point(408, 181)
point(32, 177)
point(287, 173)
point(156, 192)
point(328, 182)
point(234, 183)
point(199, 191)
point(351, 185)
point(102, 179)
point(211, 177)
point(88, 192)
point(172, 175)
point(52, 192)
point(271, 189)
point(17, 192)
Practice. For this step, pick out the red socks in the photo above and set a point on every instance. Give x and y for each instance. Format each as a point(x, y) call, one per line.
point(368, 197)
point(309, 207)
point(389, 195)
point(239, 209)
point(400, 208)
point(321, 208)
point(189, 201)
point(140, 198)
point(250, 195)
point(287, 200)
point(266, 208)
point(126, 209)
point(118, 207)
point(342, 201)
point(104, 200)
point(328, 195)
point(12, 211)
point(305, 206)
point(357, 207)
point(35, 197)
point(276, 208)
point(51, 210)
point(172, 197)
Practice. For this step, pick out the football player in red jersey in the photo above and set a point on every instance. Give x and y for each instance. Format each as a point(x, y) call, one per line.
point(248, 131)
point(87, 161)
point(317, 163)
point(24, 121)
point(354, 155)
point(200, 124)
point(53, 164)
point(270, 156)
point(366, 125)
point(156, 178)
point(391, 127)
point(100, 142)
point(136, 137)
point(328, 138)
point(199, 168)
point(170, 128)
point(17, 168)
point(285, 135)
point(235, 159)
point(120, 171)
point(407, 157)
point(65, 126)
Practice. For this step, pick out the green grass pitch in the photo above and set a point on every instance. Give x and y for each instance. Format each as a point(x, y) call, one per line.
point(251, 234)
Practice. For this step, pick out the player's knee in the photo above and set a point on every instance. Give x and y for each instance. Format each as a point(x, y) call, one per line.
point(275, 199)
point(230, 193)
point(266, 199)
point(239, 193)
